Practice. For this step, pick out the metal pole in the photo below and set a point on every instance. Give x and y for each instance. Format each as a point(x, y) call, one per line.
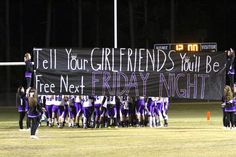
point(12, 63)
point(8, 73)
point(115, 23)
point(172, 21)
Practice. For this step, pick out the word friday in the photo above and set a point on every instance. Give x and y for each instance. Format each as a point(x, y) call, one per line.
point(111, 83)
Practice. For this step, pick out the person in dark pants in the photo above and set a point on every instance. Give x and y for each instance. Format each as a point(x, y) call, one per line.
point(22, 105)
point(230, 67)
point(229, 108)
point(34, 112)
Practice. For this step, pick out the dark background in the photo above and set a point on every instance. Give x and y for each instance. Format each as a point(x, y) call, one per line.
point(25, 24)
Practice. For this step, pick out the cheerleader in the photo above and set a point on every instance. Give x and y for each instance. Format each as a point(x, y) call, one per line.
point(34, 113)
point(230, 107)
point(28, 70)
point(230, 68)
point(22, 105)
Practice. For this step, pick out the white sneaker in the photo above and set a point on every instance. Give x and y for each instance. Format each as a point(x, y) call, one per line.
point(34, 137)
point(27, 129)
point(227, 128)
point(21, 129)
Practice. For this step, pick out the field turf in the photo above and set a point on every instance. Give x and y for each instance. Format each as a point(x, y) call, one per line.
point(189, 134)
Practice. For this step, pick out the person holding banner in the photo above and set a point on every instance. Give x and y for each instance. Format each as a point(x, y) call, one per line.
point(28, 70)
point(230, 67)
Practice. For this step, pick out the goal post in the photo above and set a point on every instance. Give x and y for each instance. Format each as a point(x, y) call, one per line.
point(12, 63)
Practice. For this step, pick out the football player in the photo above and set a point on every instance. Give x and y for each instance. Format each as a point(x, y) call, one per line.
point(140, 106)
point(97, 109)
point(88, 109)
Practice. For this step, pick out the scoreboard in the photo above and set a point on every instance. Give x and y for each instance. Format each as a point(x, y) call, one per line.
point(188, 47)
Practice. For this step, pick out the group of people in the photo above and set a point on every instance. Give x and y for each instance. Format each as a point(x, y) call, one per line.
point(86, 111)
point(102, 111)
point(82, 111)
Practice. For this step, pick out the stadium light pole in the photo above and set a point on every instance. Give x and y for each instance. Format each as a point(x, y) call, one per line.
point(115, 23)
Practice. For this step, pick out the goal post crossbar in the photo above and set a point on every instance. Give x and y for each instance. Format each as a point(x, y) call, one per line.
point(12, 63)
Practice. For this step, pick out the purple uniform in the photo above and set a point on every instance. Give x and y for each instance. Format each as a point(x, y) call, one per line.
point(158, 106)
point(140, 105)
point(165, 107)
point(23, 104)
point(66, 109)
point(87, 106)
point(72, 108)
point(78, 105)
point(150, 106)
point(61, 110)
point(230, 106)
point(55, 108)
point(87, 103)
point(111, 107)
point(29, 69)
point(28, 73)
point(49, 105)
point(124, 106)
point(97, 105)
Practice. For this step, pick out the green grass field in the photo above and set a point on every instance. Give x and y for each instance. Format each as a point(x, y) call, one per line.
point(189, 135)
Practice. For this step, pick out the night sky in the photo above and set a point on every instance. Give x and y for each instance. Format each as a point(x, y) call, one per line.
point(89, 23)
